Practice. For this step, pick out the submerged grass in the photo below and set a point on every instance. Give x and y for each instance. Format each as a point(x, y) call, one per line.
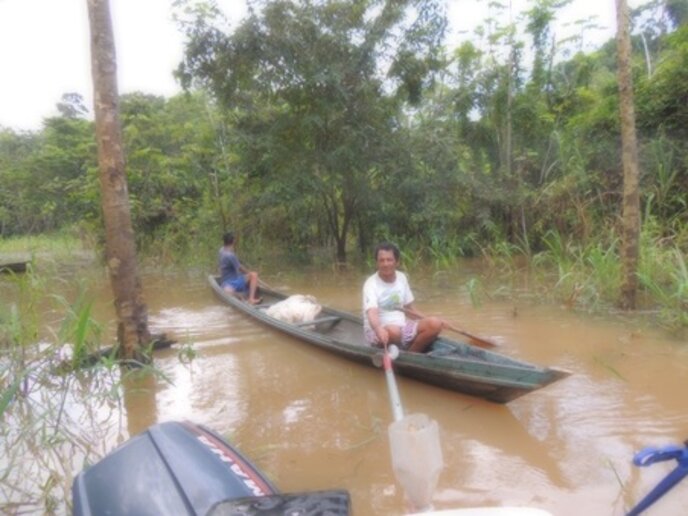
point(580, 275)
point(52, 424)
point(56, 244)
point(79, 332)
point(588, 275)
point(667, 282)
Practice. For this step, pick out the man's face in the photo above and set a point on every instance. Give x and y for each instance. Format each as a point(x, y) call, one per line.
point(386, 263)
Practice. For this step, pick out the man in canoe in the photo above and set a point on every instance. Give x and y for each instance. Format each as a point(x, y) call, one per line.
point(234, 277)
point(388, 312)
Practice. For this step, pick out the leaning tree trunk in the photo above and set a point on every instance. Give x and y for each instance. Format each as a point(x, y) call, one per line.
point(120, 249)
point(629, 150)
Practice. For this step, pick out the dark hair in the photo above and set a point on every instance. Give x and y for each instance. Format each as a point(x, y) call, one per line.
point(387, 246)
point(228, 238)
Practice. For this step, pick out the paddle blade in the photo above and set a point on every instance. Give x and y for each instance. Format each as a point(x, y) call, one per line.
point(416, 457)
point(480, 341)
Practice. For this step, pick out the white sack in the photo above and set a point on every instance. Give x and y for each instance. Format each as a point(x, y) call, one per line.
point(298, 308)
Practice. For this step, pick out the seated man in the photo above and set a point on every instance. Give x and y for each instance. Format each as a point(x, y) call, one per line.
point(388, 300)
point(234, 277)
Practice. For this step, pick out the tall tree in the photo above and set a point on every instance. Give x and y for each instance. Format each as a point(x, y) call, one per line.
point(315, 89)
point(120, 249)
point(629, 153)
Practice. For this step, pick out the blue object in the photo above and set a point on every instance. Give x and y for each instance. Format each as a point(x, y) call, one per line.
point(651, 455)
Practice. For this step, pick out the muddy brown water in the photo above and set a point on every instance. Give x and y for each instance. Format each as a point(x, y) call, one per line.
point(310, 420)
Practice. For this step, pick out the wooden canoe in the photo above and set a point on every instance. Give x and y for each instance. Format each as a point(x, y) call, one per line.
point(449, 364)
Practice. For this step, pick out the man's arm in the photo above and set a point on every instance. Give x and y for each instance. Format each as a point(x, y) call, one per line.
point(411, 311)
point(238, 265)
point(373, 315)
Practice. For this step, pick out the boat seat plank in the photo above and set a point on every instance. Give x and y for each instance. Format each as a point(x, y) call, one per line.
point(329, 318)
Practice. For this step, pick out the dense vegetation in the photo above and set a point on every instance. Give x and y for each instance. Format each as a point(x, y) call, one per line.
point(324, 125)
point(317, 128)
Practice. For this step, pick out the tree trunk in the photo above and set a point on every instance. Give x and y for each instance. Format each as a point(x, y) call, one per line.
point(629, 151)
point(508, 133)
point(120, 248)
point(341, 251)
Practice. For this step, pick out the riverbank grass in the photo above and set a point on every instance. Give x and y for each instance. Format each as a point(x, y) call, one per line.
point(53, 247)
point(588, 276)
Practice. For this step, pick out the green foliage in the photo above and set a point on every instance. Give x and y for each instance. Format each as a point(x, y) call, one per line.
point(78, 330)
point(9, 392)
point(54, 419)
point(444, 253)
point(304, 83)
point(312, 128)
point(661, 98)
point(61, 244)
point(475, 291)
point(43, 176)
point(588, 275)
point(664, 274)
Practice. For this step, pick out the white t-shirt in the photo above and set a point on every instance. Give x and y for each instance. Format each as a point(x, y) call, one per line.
point(388, 298)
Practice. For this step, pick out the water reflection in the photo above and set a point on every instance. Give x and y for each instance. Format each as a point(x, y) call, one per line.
point(139, 399)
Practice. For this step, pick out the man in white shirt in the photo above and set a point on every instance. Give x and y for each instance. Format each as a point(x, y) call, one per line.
point(388, 312)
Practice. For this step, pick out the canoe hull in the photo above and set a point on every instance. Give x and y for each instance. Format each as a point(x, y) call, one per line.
point(450, 364)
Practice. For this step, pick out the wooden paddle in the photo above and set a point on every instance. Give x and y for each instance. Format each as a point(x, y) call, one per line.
point(394, 399)
point(475, 340)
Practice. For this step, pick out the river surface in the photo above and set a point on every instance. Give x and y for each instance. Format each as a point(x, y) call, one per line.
point(312, 421)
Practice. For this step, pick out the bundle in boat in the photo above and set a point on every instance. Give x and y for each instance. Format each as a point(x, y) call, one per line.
point(296, 309)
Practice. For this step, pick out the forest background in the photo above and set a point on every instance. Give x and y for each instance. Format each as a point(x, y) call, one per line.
point(314, 130)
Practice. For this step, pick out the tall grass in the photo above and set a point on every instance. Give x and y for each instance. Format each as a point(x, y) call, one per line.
point(475, 290)
point(504, 256)
point(444, 253)
point(79, 333)
point(588, 275)
point(583, 276)
point(51, 424)
point(438, 253)
point(60, 244)
point(663, 273)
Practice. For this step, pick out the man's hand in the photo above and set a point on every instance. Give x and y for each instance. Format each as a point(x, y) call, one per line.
point(382, 335)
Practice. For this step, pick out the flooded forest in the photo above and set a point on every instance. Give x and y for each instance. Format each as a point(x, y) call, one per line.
point(535, 185)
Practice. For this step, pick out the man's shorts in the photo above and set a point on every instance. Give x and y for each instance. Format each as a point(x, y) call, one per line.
point(408, 333)
point(237, 284)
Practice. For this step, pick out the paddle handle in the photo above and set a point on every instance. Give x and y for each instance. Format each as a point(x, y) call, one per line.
point(394, 398)
point(475, 340)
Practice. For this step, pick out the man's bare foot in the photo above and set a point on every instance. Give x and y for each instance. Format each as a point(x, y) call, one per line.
point(256, 301)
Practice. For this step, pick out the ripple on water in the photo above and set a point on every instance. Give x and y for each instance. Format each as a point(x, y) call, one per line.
point(206, 326)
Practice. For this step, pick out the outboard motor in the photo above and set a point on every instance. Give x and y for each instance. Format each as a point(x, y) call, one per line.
point(186, 469)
